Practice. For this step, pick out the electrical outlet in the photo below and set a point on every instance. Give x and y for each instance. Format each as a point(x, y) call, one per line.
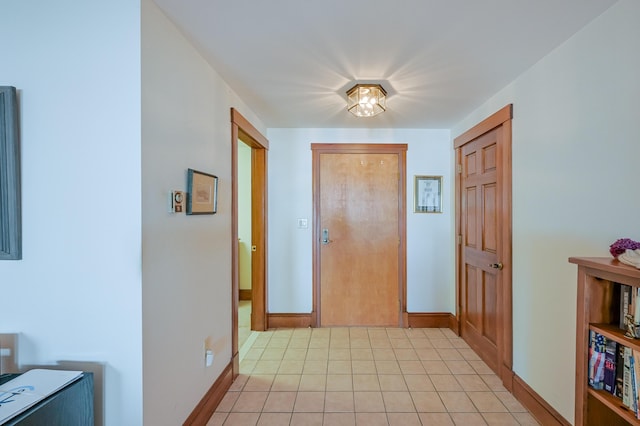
point(208, 358)
point(8, 353)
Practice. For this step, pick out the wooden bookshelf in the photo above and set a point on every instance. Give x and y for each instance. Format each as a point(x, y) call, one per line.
point(599, 280)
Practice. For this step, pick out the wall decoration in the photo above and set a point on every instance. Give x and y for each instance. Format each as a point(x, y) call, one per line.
point(427, 194)
point(202, 193)
point(10, 204)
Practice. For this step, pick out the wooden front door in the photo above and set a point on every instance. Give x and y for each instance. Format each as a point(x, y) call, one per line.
point(484, 257)
point(359, 204)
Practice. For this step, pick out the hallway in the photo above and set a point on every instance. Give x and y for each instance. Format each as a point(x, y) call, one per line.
point(366, 376)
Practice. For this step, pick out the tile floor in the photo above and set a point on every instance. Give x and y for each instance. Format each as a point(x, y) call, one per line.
point(366, 376)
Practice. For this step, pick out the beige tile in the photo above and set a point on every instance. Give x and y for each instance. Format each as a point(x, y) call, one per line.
point(339, 382)
point(414, 333)
point(262, 340)
point(274, 419)
point(467, 419)
point(428, 402)
point(411, 367)
point(278, 342)
point(403, 419)
point(421, 343)
point(280, 402)
point(283, 332)
point(254, 353)
point(371, 419)
point(309, 402)
point(368, 402)
point(435, 367)
point(339, 354)
point(306, 419)
point(312, 382)
point(428, 354)
point(469, 354)
point(298, 343)
point(509, 401)
point(398, 402)
point(318, 342)
point(436, 419)
point(259, 382)
point(358, 333)
point(315, 367)
point(324, 333)
point(500, 419)
point(457, 402)
point(459, 343)
point(361, 354)
point(291, 367)
point(298, 354)
point(487, 402)
point(450, 354)
point(460, 367)
point(363, 367)
point(365, 382)
point(360, 343)
point(419, 382)
point(218, 419)
point(445, 382)
point(340, 333)
point(250, 402)
point(339, 367)
point(403, 343)
point(380, 343)
point(339, 419)
point(472, 382)
point(441, 343)
point(433, 333)
point(340, 343)
point(318, 354)
point(384, 354)
point(406, 354)
point(338, 402)
point(377, 333)
point(247, 366)
point(480, 367)
point(266, 367)
point(301, 332)
point(392, 382)
point(242, 419)
point(388, 367)
point(525, 419)
point(286, 382)
point(396, 333)
point(239, 382)
point(494, 382)
point(449, 333)
point(227, 402)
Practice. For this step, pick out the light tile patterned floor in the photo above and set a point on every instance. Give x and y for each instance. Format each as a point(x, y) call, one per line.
point(366, 376)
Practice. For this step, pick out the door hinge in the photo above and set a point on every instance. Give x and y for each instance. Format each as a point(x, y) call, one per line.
point(458, 168)
point(459, 239)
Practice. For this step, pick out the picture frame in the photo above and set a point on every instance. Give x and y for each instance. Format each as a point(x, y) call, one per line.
point(427, 194)
point(202, 192)
point(10, 198)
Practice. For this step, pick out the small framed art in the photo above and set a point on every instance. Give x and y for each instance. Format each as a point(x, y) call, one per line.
point(202, 193)
point(427, 194)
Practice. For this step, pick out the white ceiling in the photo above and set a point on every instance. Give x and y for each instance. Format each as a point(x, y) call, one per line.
point(292, 61)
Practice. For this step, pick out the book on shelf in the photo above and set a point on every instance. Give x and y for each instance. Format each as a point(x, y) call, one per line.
point(619, 387)
point(625, 305)
point(611, 354)
point(626, 390)
point(596, 360)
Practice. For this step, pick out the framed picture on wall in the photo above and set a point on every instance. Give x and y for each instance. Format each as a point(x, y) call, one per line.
point(202, 193)
point(427, 194)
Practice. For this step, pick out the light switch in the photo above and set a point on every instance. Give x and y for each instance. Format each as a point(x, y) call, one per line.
point(302, 224)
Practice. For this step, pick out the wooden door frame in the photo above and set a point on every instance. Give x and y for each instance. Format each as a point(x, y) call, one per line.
point(348, 148)
point(242, 129)
point(501, 119)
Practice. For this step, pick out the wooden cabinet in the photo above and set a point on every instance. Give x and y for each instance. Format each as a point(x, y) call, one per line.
point(599, 280)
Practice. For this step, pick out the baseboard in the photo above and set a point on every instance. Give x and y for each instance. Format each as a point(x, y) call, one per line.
point(431, 320)
point(245, 294)
point(209, 402)
point(288, 320)
point(537, 406)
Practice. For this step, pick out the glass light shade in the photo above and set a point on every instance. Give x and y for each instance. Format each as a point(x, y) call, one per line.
point(366, 100)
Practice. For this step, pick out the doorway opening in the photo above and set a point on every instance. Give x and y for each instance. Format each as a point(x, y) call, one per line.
point(249, 213)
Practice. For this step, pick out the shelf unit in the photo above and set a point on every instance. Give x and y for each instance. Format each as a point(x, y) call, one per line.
point(599, 280)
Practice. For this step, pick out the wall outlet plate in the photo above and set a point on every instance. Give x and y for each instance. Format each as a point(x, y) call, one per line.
point(176, 202)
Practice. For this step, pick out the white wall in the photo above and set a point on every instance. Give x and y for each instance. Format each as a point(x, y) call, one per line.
point(430, 249)
point(186, 259)
point(575, 164)
point(76, 293)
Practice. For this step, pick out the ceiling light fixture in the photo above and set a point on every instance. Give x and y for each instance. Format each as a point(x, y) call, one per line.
point(366, 100)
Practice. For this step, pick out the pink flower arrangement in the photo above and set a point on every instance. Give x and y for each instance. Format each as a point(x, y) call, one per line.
point(619, 247)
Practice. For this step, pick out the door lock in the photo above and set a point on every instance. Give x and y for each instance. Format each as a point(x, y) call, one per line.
point(325, 236)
